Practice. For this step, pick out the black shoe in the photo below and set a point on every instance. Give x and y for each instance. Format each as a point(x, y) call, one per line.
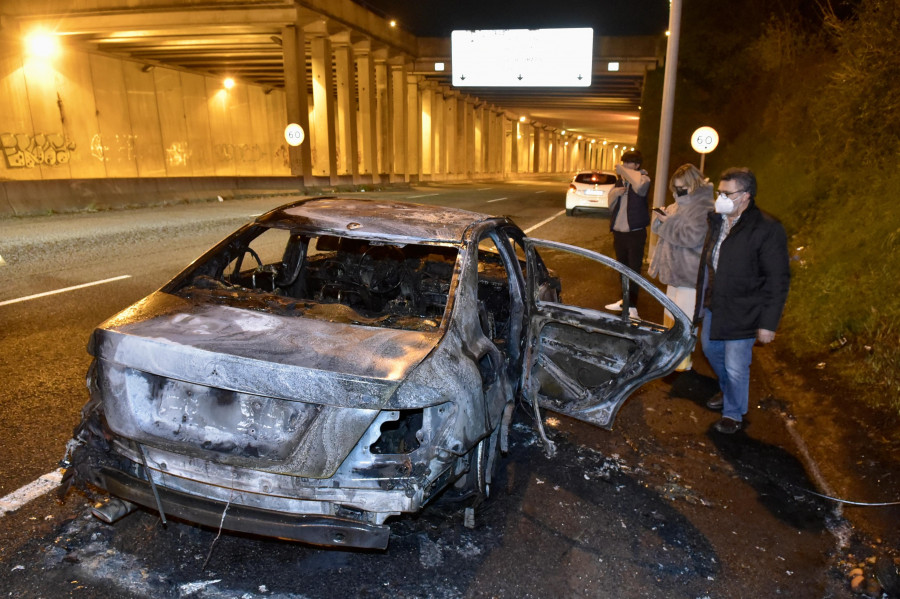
point(715, 402)
point(728, 426)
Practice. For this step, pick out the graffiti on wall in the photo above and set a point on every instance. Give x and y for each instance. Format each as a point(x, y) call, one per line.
point(28, 151)
point(178, 154)
point(115, 145)
point(239, 153)
point(282, 153)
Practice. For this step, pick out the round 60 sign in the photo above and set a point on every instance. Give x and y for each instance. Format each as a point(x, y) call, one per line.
point(704, 140)
point(293, 134)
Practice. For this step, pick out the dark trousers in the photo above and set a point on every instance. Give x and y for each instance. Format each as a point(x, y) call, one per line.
point(629, 249)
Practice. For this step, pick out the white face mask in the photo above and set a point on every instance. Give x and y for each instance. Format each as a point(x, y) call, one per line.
point(724, 204)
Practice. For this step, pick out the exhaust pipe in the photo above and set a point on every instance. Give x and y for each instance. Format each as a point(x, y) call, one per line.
point(114, 510)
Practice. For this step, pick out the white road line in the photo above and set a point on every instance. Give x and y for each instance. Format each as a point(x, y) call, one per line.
point(543, 222)
point(427, 195)
point(497, 200)
point(2, 261)
point(46, 293)
point(484, 188)
point(31, 491)
point(542, 191)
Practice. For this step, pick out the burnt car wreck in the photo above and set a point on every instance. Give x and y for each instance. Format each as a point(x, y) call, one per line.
point(337, 362)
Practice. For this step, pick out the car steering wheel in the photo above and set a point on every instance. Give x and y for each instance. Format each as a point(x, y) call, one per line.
point(375, 277)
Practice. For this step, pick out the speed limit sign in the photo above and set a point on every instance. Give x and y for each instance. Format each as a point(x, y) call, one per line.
point(293, 134)
point(704, 140)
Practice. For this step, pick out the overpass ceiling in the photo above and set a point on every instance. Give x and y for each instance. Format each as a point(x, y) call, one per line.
point(244, 41)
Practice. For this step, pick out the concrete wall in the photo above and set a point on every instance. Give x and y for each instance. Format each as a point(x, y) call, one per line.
point(86, 116)
point(84, 130)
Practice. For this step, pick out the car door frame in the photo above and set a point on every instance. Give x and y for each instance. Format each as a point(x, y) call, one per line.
point(658, 350)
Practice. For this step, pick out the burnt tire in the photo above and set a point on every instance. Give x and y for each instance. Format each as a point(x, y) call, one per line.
point(485, 464)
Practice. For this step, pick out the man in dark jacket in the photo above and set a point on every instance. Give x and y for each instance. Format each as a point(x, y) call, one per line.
point(741, 290)
point(628, 220)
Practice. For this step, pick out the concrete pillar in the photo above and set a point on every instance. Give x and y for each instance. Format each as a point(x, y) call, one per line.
point(368, 130)
point(537, 152)
point(469, 133)
point(479, 133)
point(295, 97)
point(428, 136)
point(451, 107)
point(383, 103)
point(324, 155)
point(347, 149)
point(503, 141)
point(461, 159)
point(552, 149)
point(515, 138)
point(437, 132)
point(413, 127)
point(399, 124)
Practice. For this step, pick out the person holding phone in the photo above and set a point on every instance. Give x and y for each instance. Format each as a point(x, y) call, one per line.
point(681, 228)
point(628, 220)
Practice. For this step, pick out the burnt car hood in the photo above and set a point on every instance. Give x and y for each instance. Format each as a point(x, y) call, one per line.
point(285, 357)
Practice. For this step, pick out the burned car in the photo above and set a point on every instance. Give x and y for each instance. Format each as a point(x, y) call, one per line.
point(337, 362)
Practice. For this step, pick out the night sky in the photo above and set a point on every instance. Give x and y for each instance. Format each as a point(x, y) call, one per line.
point(437, 18)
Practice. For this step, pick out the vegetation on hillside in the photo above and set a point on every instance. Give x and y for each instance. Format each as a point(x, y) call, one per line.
point(805, 93)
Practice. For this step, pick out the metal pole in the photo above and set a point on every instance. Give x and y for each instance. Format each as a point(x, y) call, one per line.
point(702, 163)
point(668, 105)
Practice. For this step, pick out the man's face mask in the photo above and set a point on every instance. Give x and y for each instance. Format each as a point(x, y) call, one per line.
point(724, 204)
point(681, 191)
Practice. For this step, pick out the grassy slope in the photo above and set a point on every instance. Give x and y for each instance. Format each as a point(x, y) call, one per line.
point(811, 105)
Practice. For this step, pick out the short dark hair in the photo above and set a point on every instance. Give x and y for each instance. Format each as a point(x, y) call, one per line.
point(743, 176)
point(633, 156)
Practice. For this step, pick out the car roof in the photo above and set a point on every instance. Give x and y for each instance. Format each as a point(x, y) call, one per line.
point(590, 172)
point(374, 219)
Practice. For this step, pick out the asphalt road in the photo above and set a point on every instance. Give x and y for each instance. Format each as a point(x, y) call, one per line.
point(658, 507)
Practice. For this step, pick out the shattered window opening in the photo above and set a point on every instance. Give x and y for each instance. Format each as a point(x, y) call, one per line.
point(338, 279)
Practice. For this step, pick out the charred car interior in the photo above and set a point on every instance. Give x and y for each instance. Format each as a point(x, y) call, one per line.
point(402, 286)
point(339, 362)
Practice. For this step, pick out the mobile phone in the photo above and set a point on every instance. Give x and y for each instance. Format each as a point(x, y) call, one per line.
point(659, 211)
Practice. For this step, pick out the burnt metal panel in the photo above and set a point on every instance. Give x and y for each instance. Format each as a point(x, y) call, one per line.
point(319, 530)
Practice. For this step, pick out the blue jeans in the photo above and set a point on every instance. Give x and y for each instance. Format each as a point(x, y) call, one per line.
point(730, 360)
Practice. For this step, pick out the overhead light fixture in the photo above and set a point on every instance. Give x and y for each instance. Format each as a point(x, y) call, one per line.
point(612, 66)
point(438, 66)
point(393, 23)
point(229, 83)
point(604, 142)
point(41, 44)
point(522, 119)
point(563, 132)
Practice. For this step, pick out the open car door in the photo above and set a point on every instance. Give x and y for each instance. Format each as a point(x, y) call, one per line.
point(585, 362)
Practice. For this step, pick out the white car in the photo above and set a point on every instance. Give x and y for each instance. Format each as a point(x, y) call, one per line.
point(589, 190)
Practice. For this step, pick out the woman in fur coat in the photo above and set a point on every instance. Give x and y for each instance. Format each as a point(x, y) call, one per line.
point(681, 232)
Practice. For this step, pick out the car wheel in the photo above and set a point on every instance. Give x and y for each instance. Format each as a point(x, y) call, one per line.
point(485, 464)
point(570, 211)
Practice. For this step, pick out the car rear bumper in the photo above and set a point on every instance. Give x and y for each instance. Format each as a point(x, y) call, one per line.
point(316, 529)
point(590, 202)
